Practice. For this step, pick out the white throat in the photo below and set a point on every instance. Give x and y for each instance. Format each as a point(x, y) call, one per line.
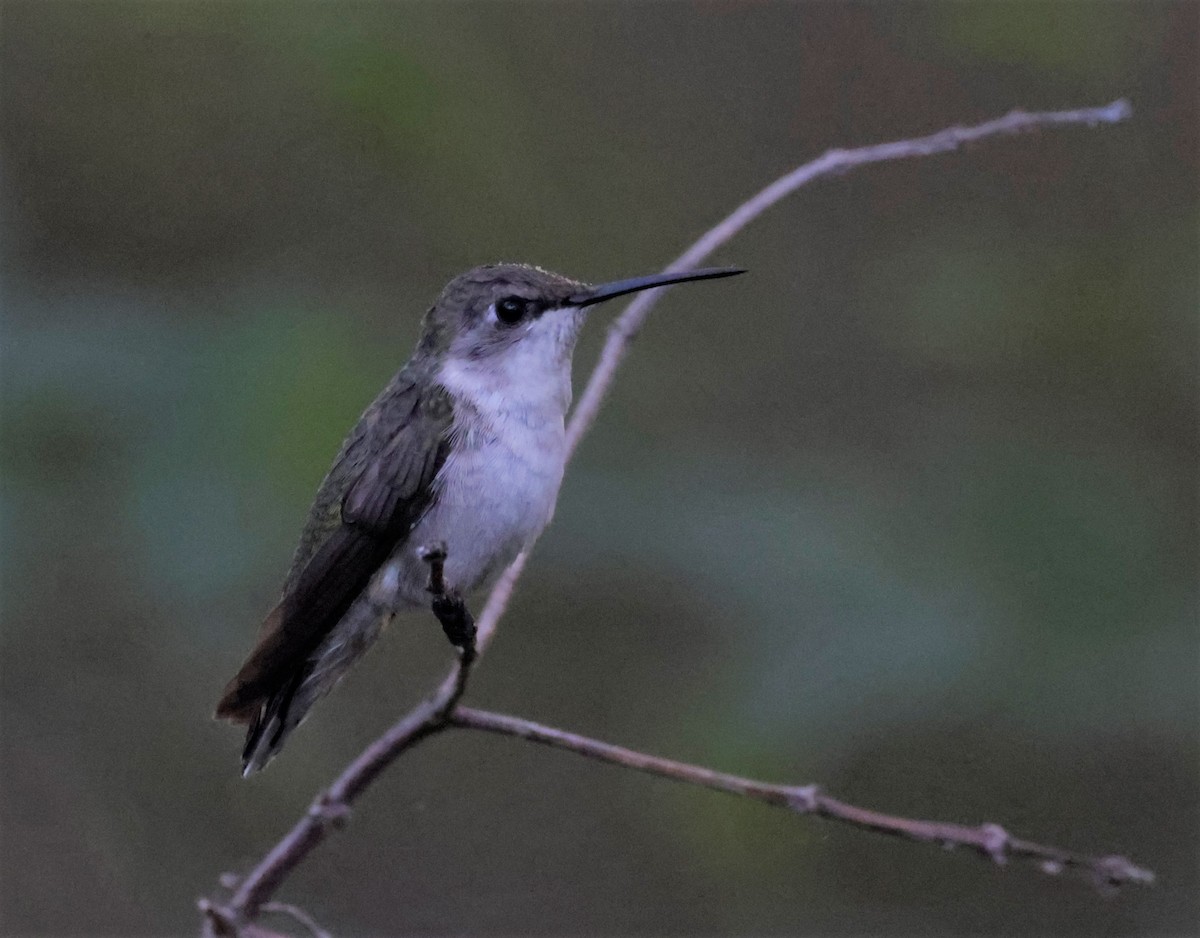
point(497, 488)
point(527, 379)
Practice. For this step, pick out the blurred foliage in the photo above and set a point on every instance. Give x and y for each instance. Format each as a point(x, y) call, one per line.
point(910, 511)
point(1070, 38)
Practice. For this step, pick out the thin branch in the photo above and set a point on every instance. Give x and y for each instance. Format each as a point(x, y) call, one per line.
point(331, 808)
point(988, 840)
point(630, 322)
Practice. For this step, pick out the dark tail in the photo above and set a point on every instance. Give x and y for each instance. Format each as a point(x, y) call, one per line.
point(273, 711)
point(271, 724)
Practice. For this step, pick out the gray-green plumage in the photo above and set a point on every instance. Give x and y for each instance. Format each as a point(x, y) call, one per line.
point(465, 447)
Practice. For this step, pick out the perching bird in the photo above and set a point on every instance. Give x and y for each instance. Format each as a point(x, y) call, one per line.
point(463, 451)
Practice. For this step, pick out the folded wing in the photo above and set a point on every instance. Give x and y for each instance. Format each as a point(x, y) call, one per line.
point(368, 503)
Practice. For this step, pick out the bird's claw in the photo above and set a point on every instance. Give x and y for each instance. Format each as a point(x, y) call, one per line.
point(457, 621)
point(435, 555)
point(448, 605)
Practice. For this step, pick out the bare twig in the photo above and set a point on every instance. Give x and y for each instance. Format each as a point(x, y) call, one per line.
point(630, 322)
point(331, 808)
point(989, 840)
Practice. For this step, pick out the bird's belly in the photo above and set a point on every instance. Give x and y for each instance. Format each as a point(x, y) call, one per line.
point(491, 501)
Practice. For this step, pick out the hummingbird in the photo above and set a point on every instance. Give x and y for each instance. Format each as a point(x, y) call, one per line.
point(456, 465)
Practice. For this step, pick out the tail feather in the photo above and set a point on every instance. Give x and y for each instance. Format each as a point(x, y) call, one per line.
point(272, 722)
point(271, 717)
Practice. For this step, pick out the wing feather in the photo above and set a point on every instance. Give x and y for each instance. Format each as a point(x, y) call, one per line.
point(389, 463)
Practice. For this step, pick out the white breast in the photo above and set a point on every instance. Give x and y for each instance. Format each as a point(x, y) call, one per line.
point(497, 490)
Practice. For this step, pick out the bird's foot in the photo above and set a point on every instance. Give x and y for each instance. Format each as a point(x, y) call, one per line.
point(435, 556)
point(448, 605)
point(457, 622)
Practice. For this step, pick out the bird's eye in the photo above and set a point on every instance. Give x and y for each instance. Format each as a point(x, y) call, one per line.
point(511, 310)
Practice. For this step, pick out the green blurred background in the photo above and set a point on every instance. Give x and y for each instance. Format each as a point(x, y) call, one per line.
point(909, 511)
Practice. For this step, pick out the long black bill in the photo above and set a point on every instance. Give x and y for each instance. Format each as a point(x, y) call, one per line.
point(607, 291)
